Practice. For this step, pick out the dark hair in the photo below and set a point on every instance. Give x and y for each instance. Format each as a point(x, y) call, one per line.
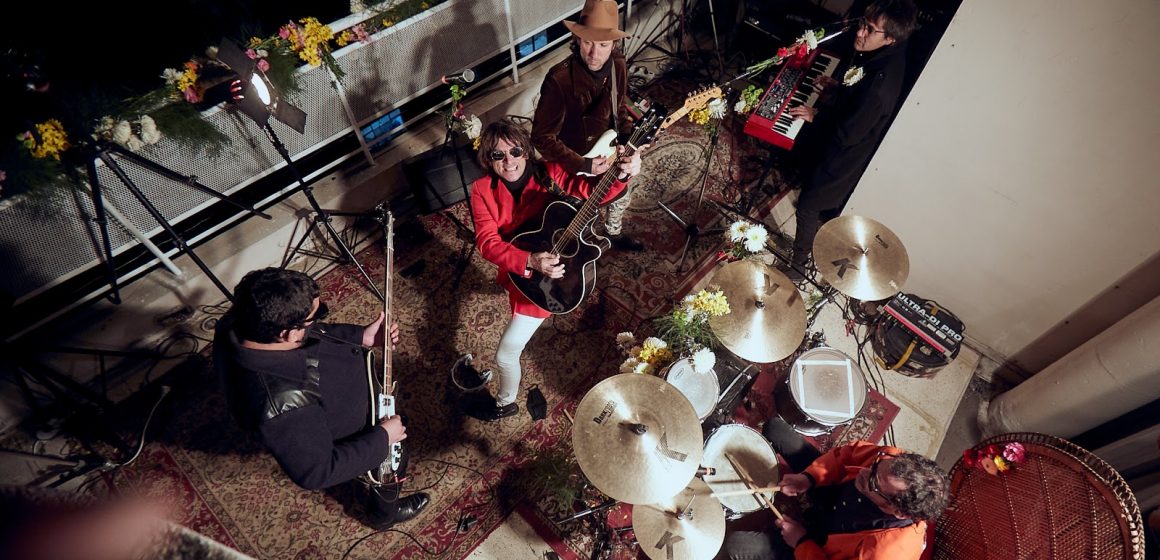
point(899, 17)
point(927, 488)
point(503, 129)
point(272, 300)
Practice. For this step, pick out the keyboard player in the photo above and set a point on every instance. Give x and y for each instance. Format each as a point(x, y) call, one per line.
point(850, 118)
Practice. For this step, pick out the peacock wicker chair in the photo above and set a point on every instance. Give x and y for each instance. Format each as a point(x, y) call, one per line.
point(1061, 502)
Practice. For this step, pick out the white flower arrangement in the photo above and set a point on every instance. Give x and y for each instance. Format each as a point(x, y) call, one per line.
point(472, 127)
point(649, 357)
point(745, 239)
point(703, 360)
point(132, 135)
point(717, 108)
point(852, 76)
point(811, 39)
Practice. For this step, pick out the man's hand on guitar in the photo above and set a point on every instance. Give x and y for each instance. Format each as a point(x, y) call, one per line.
point(373, 333)
point(547, 264)
point(629, 165)
point(394, 427)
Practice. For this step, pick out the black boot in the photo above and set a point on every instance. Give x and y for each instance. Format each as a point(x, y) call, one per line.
point(407, 508)
point(498, 412)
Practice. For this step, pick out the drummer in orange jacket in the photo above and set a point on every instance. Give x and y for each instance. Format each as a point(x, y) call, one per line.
point(868, 501)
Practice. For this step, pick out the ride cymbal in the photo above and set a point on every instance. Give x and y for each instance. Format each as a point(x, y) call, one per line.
point(861, 258)
point(637, 438)
point(767, 317)
point(688, 526)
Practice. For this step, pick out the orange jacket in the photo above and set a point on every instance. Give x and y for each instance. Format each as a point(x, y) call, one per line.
point(841, 465)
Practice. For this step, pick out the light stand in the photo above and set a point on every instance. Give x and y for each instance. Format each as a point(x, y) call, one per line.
point(319, 216)
point(255, 96)
point(451, 141)
point(103, 150)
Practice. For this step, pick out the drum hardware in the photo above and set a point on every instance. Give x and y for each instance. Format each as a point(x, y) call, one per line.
point(825, 389)
point(603, 506)
point(741, 472)
point(861, 258)
point(637, 438)
point(702, 389)
point(687, 526)
point(733, 445)
point(767, 319)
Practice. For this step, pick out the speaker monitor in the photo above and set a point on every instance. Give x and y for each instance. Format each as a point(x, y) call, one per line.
point(435, 180)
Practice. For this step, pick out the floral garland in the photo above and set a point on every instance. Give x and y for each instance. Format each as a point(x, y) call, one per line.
point(684, 332)
point(995, 459)
point(34, 162)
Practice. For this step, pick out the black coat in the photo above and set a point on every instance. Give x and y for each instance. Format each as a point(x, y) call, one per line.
point(316, 428)
point(850, 123)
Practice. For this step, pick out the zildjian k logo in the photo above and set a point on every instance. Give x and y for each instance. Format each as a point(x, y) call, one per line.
point(667, 541)
point(842, 265)
point(663, 448)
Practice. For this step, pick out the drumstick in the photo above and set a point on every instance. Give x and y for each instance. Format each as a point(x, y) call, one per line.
point(748, 482)
point(743, 492)
point(569, 416)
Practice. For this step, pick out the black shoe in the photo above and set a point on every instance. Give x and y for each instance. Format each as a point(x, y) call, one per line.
point(497, 412)
point(626, 243)
point(409, 507)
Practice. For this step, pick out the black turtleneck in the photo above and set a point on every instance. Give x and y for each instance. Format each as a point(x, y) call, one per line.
point(600, 75)
point(517, 187)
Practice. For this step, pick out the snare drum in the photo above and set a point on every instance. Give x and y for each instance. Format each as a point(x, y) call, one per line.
point(702, 389)
point(824, 389)
point(752, 452)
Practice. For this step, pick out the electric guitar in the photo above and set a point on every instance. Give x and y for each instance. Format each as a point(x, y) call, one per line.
point(566, 229)
point(382, 399)
point(605, 146)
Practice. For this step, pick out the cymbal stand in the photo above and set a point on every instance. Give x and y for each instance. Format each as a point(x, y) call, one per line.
point(603, 506)
point(692, 230)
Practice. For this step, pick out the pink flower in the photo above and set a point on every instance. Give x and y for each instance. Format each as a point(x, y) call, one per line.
point(252, 54)
point(360, 33)
point(1013, 452)
point(783, 52)
point(284, 31)
point(191, 95)
point(263, 65)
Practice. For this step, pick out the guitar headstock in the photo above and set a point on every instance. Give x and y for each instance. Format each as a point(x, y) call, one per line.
point(695, 100)
point(382, 214)
point(648, 125)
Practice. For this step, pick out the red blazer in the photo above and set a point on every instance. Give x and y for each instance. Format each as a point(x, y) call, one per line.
point(841, 465)
point(497, 218)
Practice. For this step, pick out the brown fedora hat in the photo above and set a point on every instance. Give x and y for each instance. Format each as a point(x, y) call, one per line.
point(599, 21)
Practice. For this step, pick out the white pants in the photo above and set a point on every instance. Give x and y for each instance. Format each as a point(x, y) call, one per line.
point(507, 356)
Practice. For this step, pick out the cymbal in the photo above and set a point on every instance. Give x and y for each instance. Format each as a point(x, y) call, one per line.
point(861, 258)
point(637, 438)
point(767, 317)
point(674, 530)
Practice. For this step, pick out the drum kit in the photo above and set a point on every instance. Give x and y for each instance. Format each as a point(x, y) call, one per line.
point(639, 439)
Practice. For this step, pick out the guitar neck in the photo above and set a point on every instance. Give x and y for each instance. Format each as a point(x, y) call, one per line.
point(388, 269)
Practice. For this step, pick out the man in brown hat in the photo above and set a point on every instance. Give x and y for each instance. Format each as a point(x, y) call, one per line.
point(582, 97)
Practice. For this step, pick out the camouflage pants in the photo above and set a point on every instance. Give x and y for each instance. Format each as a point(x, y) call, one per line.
point(614, 219)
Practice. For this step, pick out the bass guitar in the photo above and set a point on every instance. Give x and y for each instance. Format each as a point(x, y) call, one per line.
point(565, 228)
point(382, 388)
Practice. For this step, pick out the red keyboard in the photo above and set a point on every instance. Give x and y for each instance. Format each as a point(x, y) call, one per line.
point(794, 85)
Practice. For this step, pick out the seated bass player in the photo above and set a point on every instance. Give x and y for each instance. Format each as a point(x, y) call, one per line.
point(302, 386)
point(513, 195)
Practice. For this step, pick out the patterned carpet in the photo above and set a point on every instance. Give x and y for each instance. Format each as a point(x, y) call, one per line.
point(227, 488)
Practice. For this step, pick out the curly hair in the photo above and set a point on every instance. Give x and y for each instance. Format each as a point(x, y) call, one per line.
point(272, 300)
point(927, 487)
point(503, 129)
point(900, 17)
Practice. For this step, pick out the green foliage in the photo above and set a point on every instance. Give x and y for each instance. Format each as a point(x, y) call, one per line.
point(685, 335)
point(551, 474)
point(183, 123)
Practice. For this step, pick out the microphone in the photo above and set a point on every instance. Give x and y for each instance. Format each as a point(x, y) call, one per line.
point(464, 77)
point(831, 30)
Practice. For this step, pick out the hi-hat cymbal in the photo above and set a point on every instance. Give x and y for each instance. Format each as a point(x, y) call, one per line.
point(861, 258)
point(674, 529)
point(637, 438)
point(767, 317)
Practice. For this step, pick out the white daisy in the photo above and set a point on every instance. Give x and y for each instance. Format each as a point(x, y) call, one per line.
point(703, 360)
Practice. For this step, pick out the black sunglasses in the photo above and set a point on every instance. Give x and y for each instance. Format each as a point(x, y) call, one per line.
point(872, 482)
point(497, 155)
point(320, 314)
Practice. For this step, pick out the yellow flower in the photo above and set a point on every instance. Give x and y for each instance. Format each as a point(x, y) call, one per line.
point(713, 303)
point(699, 116)
point(343, 38)
point(1001, 464)
point(475, 143)
point(388, 22)
point(53, 140)
point(255, 42)
point(424, 5)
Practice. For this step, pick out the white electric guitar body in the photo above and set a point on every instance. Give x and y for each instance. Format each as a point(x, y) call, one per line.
point(605, 146)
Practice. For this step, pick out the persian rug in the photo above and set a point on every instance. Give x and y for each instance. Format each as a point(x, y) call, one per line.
point(221, 483)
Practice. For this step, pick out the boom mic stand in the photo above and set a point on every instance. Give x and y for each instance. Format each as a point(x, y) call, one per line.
point(103, 150)
point(320, 216)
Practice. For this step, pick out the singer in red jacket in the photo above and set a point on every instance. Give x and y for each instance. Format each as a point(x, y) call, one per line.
point(513, 193)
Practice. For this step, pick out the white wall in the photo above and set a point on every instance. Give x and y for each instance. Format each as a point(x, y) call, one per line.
point(1020, 173)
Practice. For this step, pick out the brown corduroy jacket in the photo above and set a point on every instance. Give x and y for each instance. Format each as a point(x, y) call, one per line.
point(575, 109)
